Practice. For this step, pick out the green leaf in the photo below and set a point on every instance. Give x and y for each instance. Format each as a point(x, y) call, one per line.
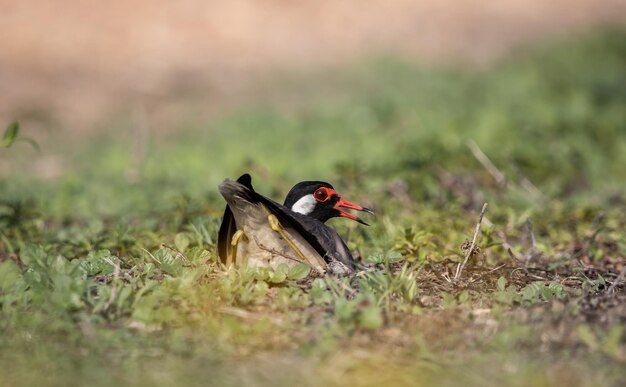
point(588, 337)
point(299, 272)
point(261, 273)
point(170, 264)
point(260, 289)
point(318, 292)
point(394, 256)
point(371, 317)
point(280, 274)
point(447, 300)
point(464, 297)
point(99, 262)
point(531, 292)
point(501, 284)
point(197, 254)
point(376, 258)
point(10, 134)
point(33, 255)
point(611, 343)
point(182, 242)
point(345, 311)
point(9, 275)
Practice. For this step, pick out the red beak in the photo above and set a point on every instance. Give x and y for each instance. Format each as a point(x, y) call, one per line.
point(346, 204)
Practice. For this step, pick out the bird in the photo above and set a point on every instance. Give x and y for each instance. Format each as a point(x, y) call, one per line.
point(257, 231)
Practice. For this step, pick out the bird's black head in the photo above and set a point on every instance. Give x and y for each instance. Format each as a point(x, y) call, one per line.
point(319, 200)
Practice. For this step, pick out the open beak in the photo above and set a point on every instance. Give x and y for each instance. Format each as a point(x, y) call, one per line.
point(346, 204)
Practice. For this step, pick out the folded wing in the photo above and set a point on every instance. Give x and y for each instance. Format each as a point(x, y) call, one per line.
point(247, 207)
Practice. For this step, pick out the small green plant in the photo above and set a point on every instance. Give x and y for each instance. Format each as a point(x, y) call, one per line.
point(609, 343)
point(391, 287)
point(11, 135)
point(537, 291)
point(542, 291)
point(380, 258)
point(504, 294)
point(359, 312)
point(415, 244)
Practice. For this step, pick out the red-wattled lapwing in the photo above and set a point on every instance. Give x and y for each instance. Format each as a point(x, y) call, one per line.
point(257, 231)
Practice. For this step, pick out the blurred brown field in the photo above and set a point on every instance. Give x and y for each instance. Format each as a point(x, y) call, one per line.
point(70, 64)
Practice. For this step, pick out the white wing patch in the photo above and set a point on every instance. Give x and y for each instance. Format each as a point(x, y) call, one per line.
point(305, 205)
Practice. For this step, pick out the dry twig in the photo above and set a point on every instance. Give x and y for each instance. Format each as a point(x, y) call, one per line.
point(486, 273)
point(151, 256)
point(461, 266)
point(618, 280)
point(533, 243)
point(507, 246)
point(501, 179)
point(487, 163)
point(274, 251)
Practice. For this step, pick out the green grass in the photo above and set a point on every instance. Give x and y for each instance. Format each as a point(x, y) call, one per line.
point(108, 273)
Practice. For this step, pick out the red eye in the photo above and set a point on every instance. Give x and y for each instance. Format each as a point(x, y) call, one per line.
point(321, 195)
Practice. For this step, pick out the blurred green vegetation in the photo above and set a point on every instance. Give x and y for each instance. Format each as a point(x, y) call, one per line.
point(107, 273)
point(553, 114)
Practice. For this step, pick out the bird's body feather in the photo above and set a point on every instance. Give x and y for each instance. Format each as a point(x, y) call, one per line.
point(248, 211)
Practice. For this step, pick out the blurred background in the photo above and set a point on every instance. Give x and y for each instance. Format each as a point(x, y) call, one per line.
point(74, 63)
point(187, 93)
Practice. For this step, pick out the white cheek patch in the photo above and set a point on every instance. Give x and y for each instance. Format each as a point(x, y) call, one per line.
point(305, 205)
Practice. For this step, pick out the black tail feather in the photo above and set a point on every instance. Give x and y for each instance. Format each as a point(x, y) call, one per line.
point(229, 227)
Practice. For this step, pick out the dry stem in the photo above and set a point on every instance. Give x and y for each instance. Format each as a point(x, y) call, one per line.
point(533, 242)
point(461, 266)
point(617, 281)
point(487, 163)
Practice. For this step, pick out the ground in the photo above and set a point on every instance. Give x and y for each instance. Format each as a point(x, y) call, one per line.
point(108, 273)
